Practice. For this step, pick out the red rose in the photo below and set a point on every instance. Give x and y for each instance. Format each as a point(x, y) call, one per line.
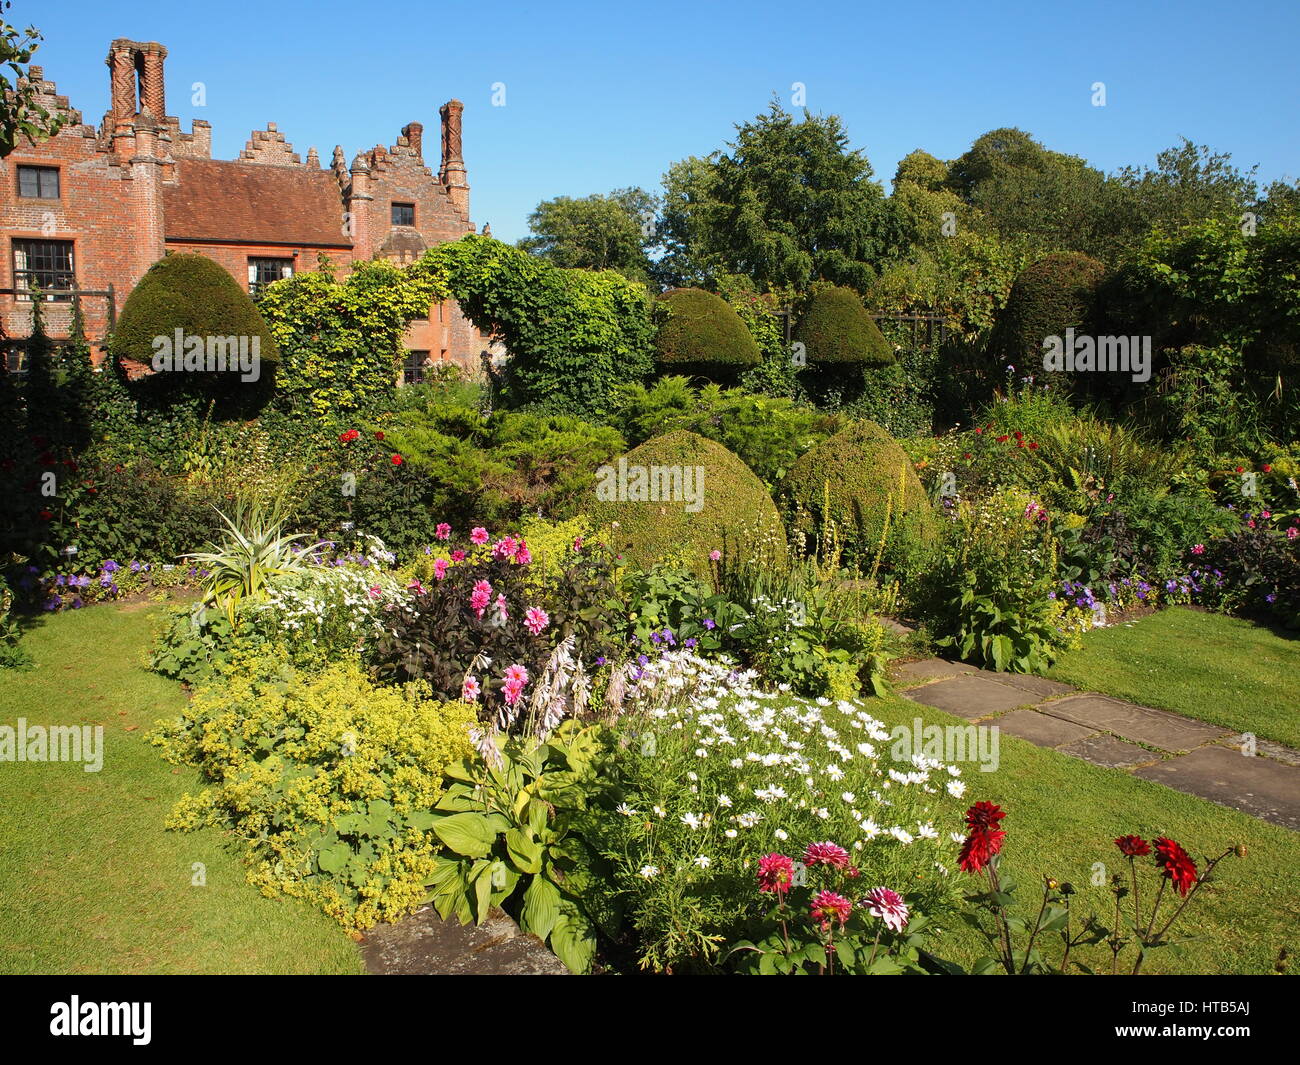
point(1267, 468)
point(1003, 438)
point(1018, 435)
point(1033, 445)
point(978, 430)
point(379, 435)
point(396, 460)
point(1240, 469)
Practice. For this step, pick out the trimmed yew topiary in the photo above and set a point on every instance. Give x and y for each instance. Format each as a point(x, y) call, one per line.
point(836, 328)
point(859, 479)
point(654, 523)
point(196, 295)
point(702, 331)
point(1051, 295)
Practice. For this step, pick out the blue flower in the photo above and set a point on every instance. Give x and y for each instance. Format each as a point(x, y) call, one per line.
point(690, 642)
point(110, 566)
point(709, 624)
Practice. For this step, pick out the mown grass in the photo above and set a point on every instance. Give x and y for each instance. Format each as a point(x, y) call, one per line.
point(1211, 667)
point(1062, 815)
point(90, 880)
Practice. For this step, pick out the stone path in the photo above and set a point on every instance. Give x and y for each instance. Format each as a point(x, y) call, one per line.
point(1184, 754)
point(425, 945)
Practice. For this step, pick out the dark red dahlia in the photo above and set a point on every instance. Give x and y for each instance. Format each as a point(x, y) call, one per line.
point(979, 847)
point(1177, 864)
point(1133, 846)
point(985, 815)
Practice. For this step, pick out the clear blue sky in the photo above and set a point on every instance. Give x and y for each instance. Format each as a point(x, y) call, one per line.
point(604, 95)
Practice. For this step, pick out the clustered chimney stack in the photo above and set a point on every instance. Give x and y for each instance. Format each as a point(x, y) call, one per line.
point(151, 79)
point(414, 134)
point(122, 81)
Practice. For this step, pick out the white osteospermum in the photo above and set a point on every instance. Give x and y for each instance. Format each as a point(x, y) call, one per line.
point(649, 872)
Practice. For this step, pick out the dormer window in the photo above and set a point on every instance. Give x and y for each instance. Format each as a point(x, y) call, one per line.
point(403, 214)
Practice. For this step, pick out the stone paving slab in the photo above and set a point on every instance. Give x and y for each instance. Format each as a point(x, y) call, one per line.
point(1108, 752)
point(930, 669)
point(1269, 749)
point(1041, 729)
point(1155, 728)
point(969, 696)
point(1260, 787)
point(1040, 686)
point(423, 944)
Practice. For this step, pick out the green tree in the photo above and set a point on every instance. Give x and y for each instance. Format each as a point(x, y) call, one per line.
point(595, 232)
point(21, 115)
point(788, 203)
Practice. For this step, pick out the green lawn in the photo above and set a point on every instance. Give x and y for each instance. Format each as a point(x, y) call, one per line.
point(90, 880)
point(1219, 669)
point(1062, 815)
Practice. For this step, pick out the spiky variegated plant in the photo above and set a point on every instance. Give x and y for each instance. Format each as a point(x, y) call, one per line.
point(252, 551)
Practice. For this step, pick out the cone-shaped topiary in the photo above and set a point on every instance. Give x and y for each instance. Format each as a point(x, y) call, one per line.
point(195, 295)
point(702, 332)
point(836, 328)
point(680, 496)
point(859, 479)
point(1051, 295)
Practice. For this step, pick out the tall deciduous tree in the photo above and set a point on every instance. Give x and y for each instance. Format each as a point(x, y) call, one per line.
point(595, 232)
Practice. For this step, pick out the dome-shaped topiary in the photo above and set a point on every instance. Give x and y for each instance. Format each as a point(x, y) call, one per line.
point(859, 479)
point(836, 328)
point(701, 330)
point(680, 496)
point(194, 295)
point(1051, 295)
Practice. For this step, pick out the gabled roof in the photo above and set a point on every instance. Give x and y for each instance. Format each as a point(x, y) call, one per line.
point(218, 200)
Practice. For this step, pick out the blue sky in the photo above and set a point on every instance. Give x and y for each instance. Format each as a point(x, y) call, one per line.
point(604, 95)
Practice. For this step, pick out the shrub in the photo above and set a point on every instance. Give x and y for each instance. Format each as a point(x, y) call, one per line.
point(767, 433)
point(701, 332)
point(327, 778)
point(732, 509)
point(196, 295)
point(1055, 293)
point(836, 329)
point(861, 483)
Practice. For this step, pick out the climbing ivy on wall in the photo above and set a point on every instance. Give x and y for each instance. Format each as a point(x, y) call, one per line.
point(341, 340)
point(573, 335)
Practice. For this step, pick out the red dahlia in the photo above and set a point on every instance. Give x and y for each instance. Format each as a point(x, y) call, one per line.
point(984, 815)
point(979, 847)
point(1133, 846)
point(1176, 863)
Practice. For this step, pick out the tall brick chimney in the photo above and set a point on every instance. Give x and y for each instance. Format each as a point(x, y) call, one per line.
point(122, 82)
point(151, 79)
point(452, 173)
point(414, 134)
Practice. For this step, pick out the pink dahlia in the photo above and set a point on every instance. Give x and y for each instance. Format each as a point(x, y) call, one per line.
point(715, 555)
point(513, 690)
point(480, 597)
point(479, 535)
point(888, 906)
point(458, 555)
point(440, 568)
point(524, 557)
point(516, 674)
point(775, 874)
point(536, 619)
point(826, 854)
point(506, 547)
point(442, 531)
point(469, 690)
point(827, 907)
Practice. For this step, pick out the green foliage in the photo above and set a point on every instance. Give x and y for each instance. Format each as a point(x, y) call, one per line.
point(22, 119)
point(512, 832)
point(861, 486)
point(573, 335)
point(194, 294)
point(987, 592)
point(594, 232)
point(702, 333)
point(253, 551)
point(342, 339)
point(768, 434)
point(836, 328)
point(1055, 293)
point(788, 203)
point(734, 510)
point(327, 778)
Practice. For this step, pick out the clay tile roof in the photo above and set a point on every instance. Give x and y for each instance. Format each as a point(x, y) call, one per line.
point(220, 200)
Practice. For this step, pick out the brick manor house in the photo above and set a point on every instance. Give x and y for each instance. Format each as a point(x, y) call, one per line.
point(94, 207)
